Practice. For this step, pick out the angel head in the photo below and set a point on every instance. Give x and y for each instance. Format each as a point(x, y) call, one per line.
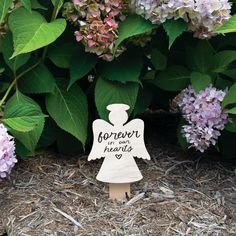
point(118, 113)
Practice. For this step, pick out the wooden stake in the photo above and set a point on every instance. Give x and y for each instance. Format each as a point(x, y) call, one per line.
point(119, 191)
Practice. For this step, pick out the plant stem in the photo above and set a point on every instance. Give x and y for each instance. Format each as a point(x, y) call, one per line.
point(7, 93)
point(53, 17)
point(14, 82)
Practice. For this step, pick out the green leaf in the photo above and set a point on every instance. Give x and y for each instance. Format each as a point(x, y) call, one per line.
point(232, 111)
point(200, 81)
point(81, 64)
point(23, 123)
point(26, 4)
point(108, 92)
point(231, 127)
point(174, 28)
point(61, 54)
point(222, 59)
point(3, 87)
point(144, 99)
point(118, 70)
point(69, 109)
point(131, 26)
point(49, 134)
point(38, 80)
point(4, 6)
point(7, 51)
point(222, 83)
point(27, 112)
point(201, 57)
point(36, 5)
point(228, 27)
point(31, 31)
point(174, 78)
point(231, 73)
point(22, 151)
point(230, 97)
point(1, 71)
point(150, 75)
point(158, 60)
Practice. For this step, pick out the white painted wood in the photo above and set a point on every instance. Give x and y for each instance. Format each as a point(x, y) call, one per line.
point(118, 143)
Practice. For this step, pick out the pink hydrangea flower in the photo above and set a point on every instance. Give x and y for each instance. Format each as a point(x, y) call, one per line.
point(7, 152)
point(204, 114)
point(97, 23)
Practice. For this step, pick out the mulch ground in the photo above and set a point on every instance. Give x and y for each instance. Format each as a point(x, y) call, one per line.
point(180, 194)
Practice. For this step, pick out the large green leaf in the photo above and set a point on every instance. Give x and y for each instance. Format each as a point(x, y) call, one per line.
point(200, 58)
point(131, 26)
point(222, 59)
point(22, 117)
point(109, 92)
point(158, 60)
point(26, 4)
point(200, 81)
point(4, 6)
point(25, 118)
point(230, 97)
point(69, 109)
point(174, 78)
point(60, 54)
point(228, 27)
point(7, 50)
point(126, 68)
point(174, 28)
point(81, 64)
point(31, 31)
point(38, 80)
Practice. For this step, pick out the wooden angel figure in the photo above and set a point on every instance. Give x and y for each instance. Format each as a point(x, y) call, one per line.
point(118, 143)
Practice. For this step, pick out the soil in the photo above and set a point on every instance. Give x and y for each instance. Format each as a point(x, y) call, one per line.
point(182, 193)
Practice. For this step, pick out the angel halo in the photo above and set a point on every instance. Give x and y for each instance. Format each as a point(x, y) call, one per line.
point(118, 143)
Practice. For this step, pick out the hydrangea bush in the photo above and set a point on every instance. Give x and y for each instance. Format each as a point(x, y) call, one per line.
point(63, 61)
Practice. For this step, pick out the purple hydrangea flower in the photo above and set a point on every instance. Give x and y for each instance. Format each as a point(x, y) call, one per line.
point(7, 152)
point(204, 114)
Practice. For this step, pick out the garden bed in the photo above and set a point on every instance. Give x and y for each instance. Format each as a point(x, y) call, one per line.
point(181, 194)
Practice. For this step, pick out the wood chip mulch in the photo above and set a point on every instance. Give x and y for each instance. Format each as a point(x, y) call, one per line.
point(180, 194)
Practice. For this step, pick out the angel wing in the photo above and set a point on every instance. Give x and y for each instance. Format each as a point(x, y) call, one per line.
point(139, 148)
point(97, 151)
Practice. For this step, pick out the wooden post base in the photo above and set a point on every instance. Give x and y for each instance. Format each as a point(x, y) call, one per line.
point(119, 191)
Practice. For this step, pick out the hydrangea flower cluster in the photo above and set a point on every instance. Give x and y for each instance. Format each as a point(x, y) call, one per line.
point(7, 152)
point(98, 24)
point(204, 114)
point(202, 16)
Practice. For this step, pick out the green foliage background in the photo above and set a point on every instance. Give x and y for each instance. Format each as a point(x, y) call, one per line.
point(51, 89)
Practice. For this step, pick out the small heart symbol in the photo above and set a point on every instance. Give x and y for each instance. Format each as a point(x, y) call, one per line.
point(118, 156)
